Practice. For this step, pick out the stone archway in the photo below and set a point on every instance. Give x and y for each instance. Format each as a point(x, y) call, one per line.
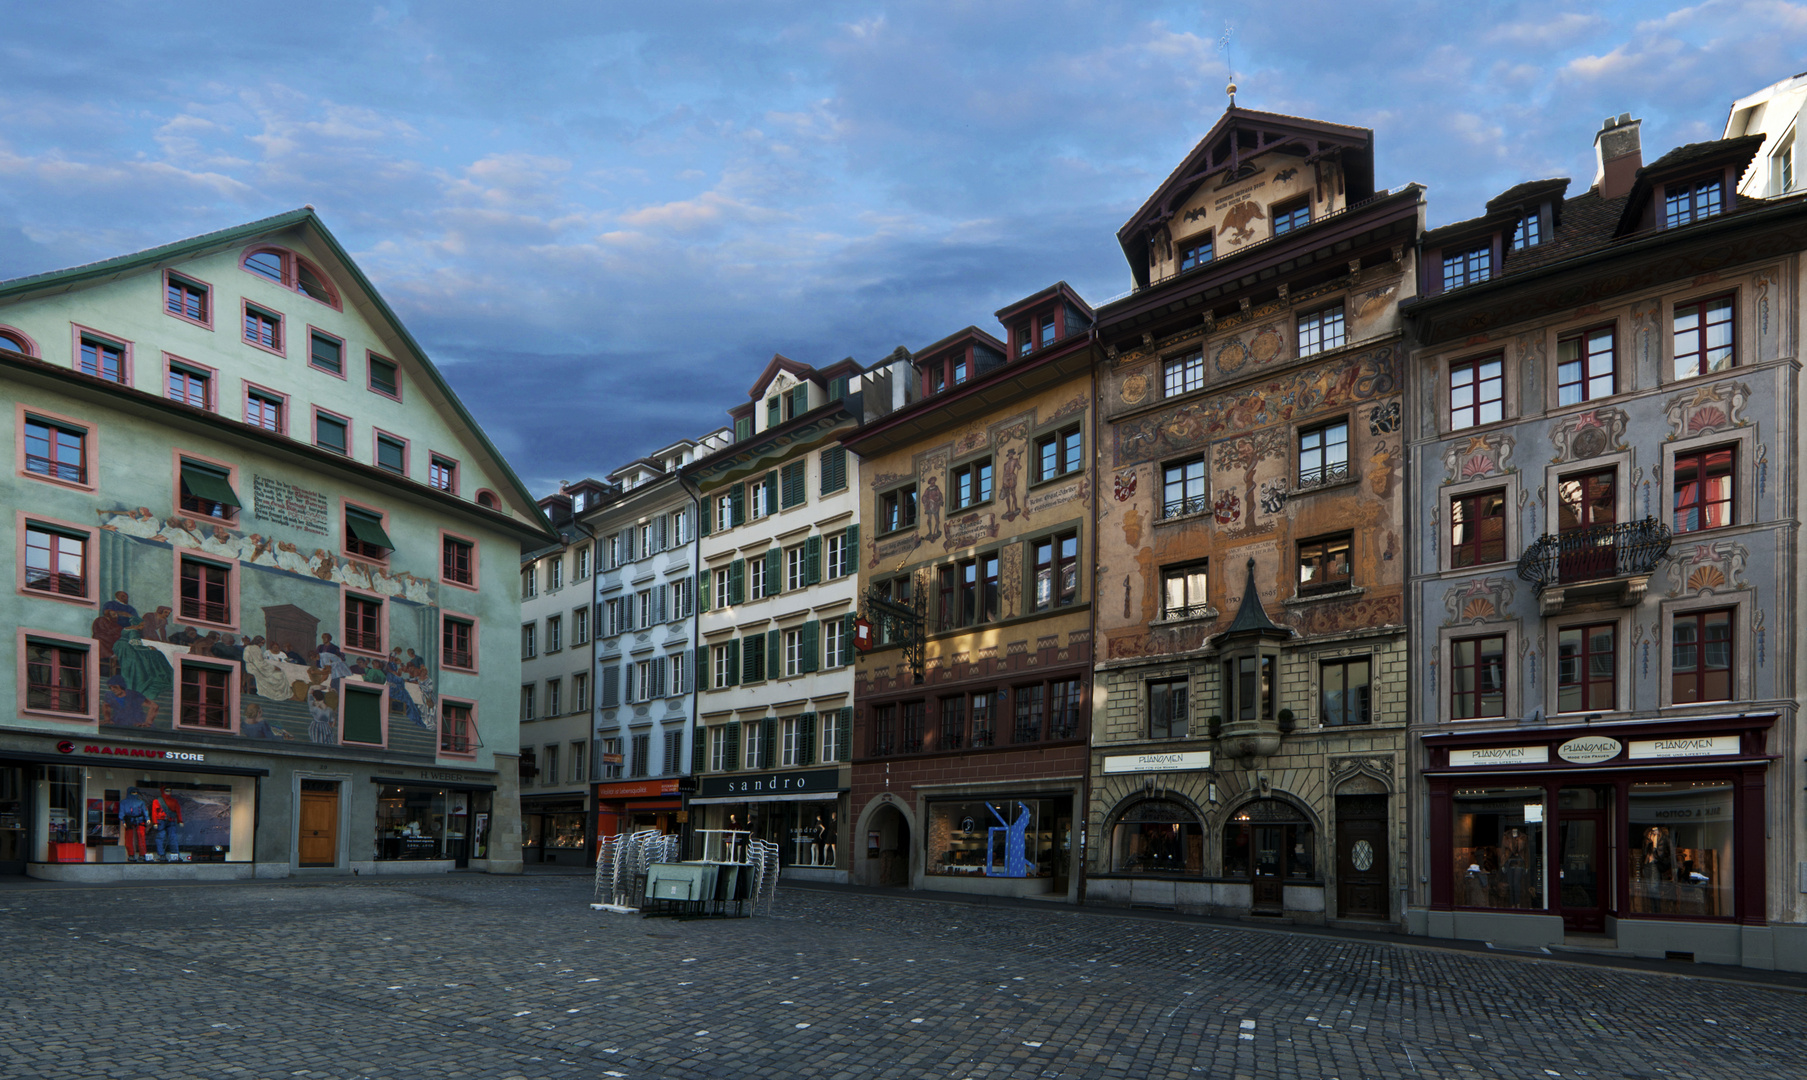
point(1362, 858)
point(883, 848)
point(1270, 840)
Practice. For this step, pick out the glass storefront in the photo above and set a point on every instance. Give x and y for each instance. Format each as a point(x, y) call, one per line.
point(1680, 849)
point(807, 833)
point(1157, 836)
point(1272, 840)
point(1020, 838)
point(1499, 848)
point(119, 814)
point(432, 823)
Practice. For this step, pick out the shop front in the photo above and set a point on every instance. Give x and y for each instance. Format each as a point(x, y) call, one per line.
point(1650, 835)
point(430, 822)
point(801, 811)
point(1021, 844)
point(553, 831)
point(80, 809)
point(637, 805)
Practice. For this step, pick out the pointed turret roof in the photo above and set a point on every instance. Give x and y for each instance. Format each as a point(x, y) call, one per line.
point(1251, 618)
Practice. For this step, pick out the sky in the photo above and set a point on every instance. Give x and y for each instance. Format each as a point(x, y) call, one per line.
point(601, 220)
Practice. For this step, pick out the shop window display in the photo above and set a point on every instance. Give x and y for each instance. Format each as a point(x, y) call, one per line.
point(1158, 836)
point(812, 833)
point(1271, 840)
point(997, 838)
point(1499, 848)
point(428, 823)
point(112, 815)
point(1680, 849)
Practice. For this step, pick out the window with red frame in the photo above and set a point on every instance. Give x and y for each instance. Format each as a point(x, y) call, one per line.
point(187, 299)
point(488, 501)
point(204, 697)
point(456, 642)
point(914, 727)
point(442, 474)
point(15, 342)
point(1703, 489)
point(1477, 677)
point(56, 451)
point(455, 563)
point(263, 410)
point(55, 562)
point(190, 386)
point(1692, 201)
point(207, 491)
point(1701, 657)
point(455, 731)
point(884, 730)
point(365, 536)
point(1586, 669)
point(1477, 528)
point(952, 735)
point(263, 328)
point(205, 592)
point(1584, 366)
point(1066, 699)
point(1031, 710)
point(984, 718)
point(56, 678)
point(270, 264)
point(1476, 392)
point(1704, 337)
point(102, 359)
point(363, 624)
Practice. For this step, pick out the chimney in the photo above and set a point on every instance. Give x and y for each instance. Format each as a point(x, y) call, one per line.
point(1618, 155)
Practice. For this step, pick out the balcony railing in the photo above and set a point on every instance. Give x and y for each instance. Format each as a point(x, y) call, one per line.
point(1598, 553)
point(1196, 504)
point(1335, 472)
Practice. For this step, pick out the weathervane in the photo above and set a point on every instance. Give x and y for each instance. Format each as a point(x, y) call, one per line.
point(1223, 46)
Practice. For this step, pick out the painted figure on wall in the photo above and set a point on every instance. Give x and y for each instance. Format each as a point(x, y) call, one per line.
point(931, 507)
point(1007, 476)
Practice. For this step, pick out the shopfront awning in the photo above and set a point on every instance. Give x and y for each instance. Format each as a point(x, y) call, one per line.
point(368, 529)
point(208, 485)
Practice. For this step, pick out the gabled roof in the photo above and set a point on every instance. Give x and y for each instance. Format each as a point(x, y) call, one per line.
point(1736, 152)
point(968, 335)
point(779, 362)
point(1036, 299)
point(1224, 155)
point(304, 218)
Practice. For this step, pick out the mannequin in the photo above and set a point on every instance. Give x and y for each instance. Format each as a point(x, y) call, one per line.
point(1516, 865)
point(166, 825)
point(133, 817)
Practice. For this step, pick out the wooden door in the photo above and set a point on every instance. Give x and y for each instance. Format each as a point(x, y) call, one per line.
point(1581, 869)
point(1361, 857)
point(1270, 866)
point(318, 840)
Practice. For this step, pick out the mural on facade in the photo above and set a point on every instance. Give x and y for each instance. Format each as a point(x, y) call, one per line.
point(286, 642)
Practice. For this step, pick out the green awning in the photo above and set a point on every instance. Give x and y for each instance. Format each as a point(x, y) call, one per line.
point(368, 529)
point(208, 485)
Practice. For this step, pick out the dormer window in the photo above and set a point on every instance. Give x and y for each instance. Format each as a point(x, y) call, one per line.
point(1196, 255)
point(1694, 200)
point(1529, 232)
point(1024, 342)
point(1468, 267)
point(944, 372)
point(1047, 330)
point(291, 271)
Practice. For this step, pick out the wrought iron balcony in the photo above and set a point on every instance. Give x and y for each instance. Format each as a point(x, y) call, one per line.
point(1193, 504)
point(1587, 562)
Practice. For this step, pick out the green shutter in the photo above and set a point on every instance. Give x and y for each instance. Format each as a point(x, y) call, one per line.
point(853, 546)
point(768, 742)
point(363, 721)
point(743, 428)
point(750, 652)
point(699, 748)
point(799, 399)
point(834, 469)
point(737, 504)
point(737, 582)
point(702, 668)
point(733, 648)
point(773, 414)
point(731, 756)
point(774, 571)
point(774, 654)
point(705, 519)
point(771, 491)
point(702, 589)
point(844, 734)
point(812, 560)
point(810, 645)
point(847, 651)
point(806, 739)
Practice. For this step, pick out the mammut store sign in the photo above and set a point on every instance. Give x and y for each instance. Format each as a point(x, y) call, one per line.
point(67, 747)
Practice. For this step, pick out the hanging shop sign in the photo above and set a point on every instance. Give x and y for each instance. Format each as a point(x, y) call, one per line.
point(1184, 761)
point(1589, 750)
point(1687, 746)
point(1500, 755)
point(67, 747)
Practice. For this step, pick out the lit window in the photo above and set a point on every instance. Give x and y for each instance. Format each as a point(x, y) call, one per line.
point(1183, 590)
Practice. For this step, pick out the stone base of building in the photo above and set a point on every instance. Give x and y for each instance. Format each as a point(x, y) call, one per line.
point(1766, 948)
point(813, 873)
point(1225, 899)
point(119, 873)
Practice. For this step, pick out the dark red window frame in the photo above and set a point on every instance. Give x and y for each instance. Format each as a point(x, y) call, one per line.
point(1031, 712)
point(47, 552)
point(1598, 693)
point(1477, 528)
point(1581, 375)
point(187, 299)
point(204, 696)
point(363, 624)
point(263, 410)
point(56, 677)
point(1695, 674)
point(1484, 669)
point(442, 474)
point(1482, 382)
point(263, 327)
point(984, 731)
point(206, 592)
point(455, 562)
point(102, 359)
point(190, 387)
point(1705, 484)
point(456, 642)
point(455, 728)
point(1696, 353)
point(55, 446)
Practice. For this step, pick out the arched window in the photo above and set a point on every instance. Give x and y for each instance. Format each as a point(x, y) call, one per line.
point(291, 271)
point(1158, 836)
point(488, 499)
point(17, 341)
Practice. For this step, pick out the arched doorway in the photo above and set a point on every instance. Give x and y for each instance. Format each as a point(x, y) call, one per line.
point(888, 847)
point(1158, 836)
point(1362, 866)
point(1269, 842)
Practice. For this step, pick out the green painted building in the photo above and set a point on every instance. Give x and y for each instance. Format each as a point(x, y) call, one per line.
point(265, 569)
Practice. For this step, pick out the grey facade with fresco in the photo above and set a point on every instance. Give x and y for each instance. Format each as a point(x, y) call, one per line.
point(1604, 574)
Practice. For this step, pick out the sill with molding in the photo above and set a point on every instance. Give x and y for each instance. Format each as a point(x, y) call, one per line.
point(1200, 615)
point(1050, 481)
point(1335, 594)
point(1197, 515)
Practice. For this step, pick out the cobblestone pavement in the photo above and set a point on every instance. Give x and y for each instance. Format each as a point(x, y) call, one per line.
point(470, 976)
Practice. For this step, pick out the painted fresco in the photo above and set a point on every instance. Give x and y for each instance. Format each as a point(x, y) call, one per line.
point(287, 647)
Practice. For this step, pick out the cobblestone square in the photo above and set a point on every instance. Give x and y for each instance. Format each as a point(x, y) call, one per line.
point(473, 976)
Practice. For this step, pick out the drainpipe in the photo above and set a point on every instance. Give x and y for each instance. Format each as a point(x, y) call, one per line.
point(696, 643)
